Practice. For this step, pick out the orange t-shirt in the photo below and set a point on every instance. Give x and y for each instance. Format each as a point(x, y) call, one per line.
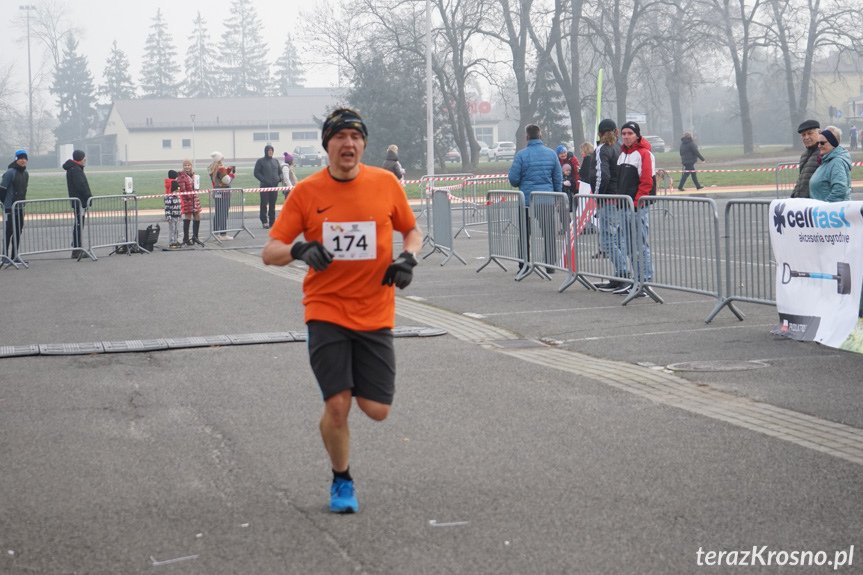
point(354, 220)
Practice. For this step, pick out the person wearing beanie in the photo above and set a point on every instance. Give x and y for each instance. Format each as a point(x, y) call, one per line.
point(566, 157)
point(603, 181)
point(689, 153)
point(348, 214)
point(173, 209)
point(289, 178)
point(191, 204)
point(536, 168)
point(809, 159)
point(831, 182)
point(392, 164)
point(635, 178)
point(269, 174)
point(343, 119)
point(78, 187)
point(221, 178)
point(13, 188)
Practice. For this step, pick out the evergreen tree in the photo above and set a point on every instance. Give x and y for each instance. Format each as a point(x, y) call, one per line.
point(289, 69)
point(73, 86)
point(160, 74)
point(549, 108)
point(390, 94)
point(243, 54)
point(118, 82)
point(201, 69)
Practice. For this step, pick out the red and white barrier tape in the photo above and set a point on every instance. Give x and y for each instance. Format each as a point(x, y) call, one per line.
point(199, 192)
point(773, 169)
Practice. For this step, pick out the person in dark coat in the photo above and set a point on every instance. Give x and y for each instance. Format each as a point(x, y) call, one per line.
point(78, 187)
point(13, 188)
point(689, 153)
point(588, 163)
point(269, 173)
point(809, 161)
point(392, 164)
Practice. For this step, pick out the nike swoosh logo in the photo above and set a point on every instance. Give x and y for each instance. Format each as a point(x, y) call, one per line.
point(320, 211)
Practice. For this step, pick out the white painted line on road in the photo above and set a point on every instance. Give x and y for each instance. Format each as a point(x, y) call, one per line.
point(569, 309)
point(169, 561)
point(672, 332)
point(434, 523)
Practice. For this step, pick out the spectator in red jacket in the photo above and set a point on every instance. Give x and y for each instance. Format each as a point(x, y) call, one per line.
point(567, 157)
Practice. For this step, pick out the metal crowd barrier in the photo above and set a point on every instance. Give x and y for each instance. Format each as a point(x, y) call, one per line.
point(750, 270)
point(227, 216)
point(442, 227)
point(45, 226)
point(664, 183)
point(683, 246)
point(600, 255)
point(112, 222)
point(786, 179)
point(472, 199)
point(427, 187)
point(506, 223)
point(550, 228)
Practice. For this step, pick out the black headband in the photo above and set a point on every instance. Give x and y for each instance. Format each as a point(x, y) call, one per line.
point(830, 138)
point(343, 119)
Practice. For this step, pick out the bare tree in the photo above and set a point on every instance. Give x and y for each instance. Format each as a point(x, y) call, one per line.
point(736, 23)
point(565, 57)
point(50, 27)
point(514, 29)
point(676, 53)
point(460, 24)
point(8, 112)
point(800, 31)
point(619, 30)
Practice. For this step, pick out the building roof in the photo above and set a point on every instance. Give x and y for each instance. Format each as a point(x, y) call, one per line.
point(844, 63)
point(299, 108)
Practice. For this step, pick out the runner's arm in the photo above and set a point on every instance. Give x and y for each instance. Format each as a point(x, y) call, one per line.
point(277, 253)
point(413, 240)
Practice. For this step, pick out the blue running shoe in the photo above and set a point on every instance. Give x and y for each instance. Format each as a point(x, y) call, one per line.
point(343, 497)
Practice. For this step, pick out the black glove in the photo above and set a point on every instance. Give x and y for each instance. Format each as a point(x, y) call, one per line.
point(401, 272)
point(313, 253)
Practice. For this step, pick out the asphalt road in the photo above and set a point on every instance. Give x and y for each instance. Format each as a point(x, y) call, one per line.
point(208, 460)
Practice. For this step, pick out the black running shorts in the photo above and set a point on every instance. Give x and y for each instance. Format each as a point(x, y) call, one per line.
point(362, 361)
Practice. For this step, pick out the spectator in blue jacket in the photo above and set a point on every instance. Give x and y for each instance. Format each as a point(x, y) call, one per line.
point(537, 169)
point(831, 182)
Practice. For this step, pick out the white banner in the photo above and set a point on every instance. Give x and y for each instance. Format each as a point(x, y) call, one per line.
point(818, 248)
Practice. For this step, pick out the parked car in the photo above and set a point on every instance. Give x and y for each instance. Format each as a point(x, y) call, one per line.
point(502, 151)
point(657, 144)
point(453, 156)
point(307, 156)
point(483, 150)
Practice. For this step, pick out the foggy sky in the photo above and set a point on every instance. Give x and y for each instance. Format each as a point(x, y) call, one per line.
point(128, 22)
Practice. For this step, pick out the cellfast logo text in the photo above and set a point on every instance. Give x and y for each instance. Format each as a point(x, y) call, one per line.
point(814, 217)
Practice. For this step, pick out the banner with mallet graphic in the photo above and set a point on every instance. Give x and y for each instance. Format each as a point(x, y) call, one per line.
point(818, 248)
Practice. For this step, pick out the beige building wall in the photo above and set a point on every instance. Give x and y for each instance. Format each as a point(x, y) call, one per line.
point(236, 144)
point(837, 93)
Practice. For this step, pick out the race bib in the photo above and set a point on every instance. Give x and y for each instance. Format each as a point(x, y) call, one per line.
point(351, 240)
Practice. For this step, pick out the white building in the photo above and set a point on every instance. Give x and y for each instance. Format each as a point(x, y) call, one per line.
point(150, 131)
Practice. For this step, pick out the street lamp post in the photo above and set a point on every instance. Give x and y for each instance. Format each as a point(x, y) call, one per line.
point(29, 8)
point(429, 95)
point(193, 142)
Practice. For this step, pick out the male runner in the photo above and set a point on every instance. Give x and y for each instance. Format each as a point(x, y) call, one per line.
point(347, 213)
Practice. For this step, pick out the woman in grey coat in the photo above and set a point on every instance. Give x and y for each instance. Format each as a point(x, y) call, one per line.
point(688, 155)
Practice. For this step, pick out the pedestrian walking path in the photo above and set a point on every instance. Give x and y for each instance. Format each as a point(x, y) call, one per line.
point(657, 385)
